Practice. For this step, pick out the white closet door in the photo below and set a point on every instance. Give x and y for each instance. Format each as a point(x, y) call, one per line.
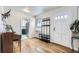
point(61, 31)
point(57, 31)
point(65, 31)
point(51, 29)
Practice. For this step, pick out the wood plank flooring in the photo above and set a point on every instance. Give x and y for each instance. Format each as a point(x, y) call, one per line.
point(37, 46)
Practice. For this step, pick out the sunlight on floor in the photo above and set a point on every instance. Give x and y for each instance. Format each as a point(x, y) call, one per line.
point(16, 48)
point(24, 37)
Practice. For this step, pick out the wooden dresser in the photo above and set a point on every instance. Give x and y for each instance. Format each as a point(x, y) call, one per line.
point(7, 41)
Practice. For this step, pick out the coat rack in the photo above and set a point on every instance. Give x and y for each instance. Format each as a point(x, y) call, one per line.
point(45, 30)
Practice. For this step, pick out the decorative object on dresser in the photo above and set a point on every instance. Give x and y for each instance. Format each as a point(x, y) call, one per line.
point(4, 17)
point(7, 14)
point(9, 28)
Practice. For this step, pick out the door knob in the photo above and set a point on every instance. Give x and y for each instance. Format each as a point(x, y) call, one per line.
point(54, 28)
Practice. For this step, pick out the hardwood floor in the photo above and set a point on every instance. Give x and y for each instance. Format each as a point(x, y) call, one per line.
point(37, 46)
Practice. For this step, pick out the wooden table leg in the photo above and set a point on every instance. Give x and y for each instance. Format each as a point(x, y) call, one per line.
point(19, 43)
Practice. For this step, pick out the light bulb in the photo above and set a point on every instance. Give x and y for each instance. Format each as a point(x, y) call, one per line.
point(62, 17)
point(65, 16)
point(58, 17)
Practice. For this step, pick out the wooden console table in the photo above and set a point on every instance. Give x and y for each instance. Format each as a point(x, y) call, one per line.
point(17, 38)
point(7, 39)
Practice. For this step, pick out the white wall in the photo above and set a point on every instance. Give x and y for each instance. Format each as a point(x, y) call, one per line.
point(65, 34)
point(32, 27)
point(15, 20)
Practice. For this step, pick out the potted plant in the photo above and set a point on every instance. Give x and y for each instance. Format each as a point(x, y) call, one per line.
point(75, 26)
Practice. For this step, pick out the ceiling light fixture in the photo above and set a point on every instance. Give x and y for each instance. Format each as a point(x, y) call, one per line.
point(26, 10)
point(65, 16)
point(62, 17)
point(58, 17)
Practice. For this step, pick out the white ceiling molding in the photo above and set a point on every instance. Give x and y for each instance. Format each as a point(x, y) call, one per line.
point(34, 10)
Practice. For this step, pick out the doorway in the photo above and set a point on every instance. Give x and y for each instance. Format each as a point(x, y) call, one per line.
point(24, 28)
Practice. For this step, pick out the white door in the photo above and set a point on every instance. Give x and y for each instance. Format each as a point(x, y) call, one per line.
point(57, 30)
point(60, 29)
point(65, 31)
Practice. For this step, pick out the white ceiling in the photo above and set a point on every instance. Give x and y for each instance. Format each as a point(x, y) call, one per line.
point(34, 10)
